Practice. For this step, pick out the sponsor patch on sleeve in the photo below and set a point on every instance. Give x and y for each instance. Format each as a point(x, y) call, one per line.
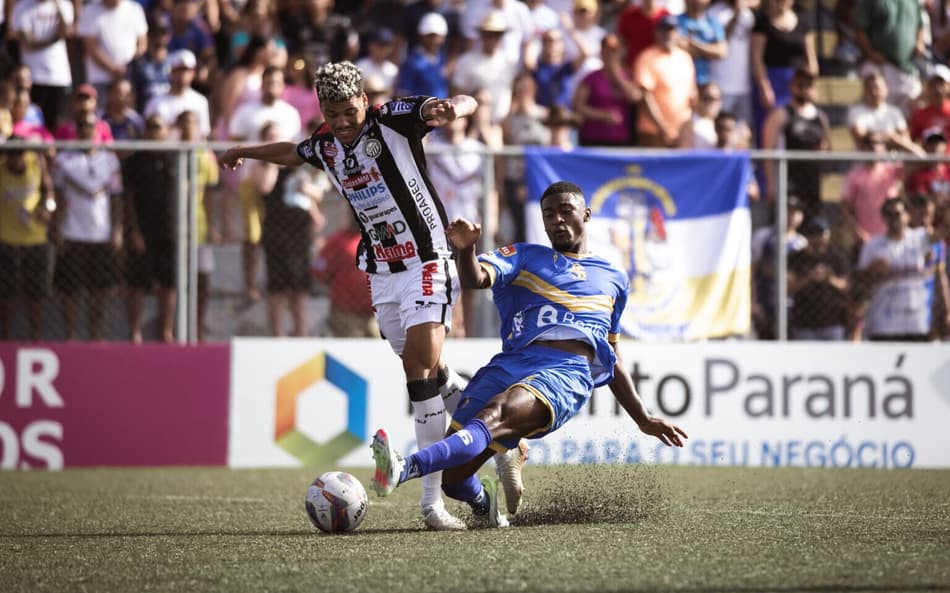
point(507, 250)
point(306, 149)
point(400, 107)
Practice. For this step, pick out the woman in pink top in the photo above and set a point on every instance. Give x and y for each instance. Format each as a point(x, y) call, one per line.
point(298, 91)
point(241, 85)
point(603, 100)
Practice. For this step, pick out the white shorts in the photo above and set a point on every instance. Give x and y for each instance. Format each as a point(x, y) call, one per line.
point(419, 295)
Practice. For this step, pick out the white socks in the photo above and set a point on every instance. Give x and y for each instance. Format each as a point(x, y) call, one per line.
point(430, 421)
point(451, 390)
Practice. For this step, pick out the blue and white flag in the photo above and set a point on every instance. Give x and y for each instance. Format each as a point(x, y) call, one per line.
point(679, 224)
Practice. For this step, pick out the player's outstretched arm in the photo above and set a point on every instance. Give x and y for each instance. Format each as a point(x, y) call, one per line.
point(442, 111)
point(278, 153)
point(464, 235)
point(626, 393)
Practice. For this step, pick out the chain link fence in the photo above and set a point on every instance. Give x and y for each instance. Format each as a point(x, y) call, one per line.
point(148, 241)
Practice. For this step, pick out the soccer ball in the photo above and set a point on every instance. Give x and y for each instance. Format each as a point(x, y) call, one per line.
point(336, 502)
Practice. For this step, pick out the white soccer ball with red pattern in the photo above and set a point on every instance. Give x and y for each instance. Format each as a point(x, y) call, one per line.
point(336, 502)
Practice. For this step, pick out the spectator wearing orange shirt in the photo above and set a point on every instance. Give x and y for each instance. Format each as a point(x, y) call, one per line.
point(667, 76)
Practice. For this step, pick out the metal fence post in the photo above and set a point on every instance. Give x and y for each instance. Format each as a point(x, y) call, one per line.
point(781, 255)
point(489, 229)
point(193, 240)
point(181, 249)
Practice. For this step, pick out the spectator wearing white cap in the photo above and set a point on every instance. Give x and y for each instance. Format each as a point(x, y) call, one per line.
point(113, 33)
point(180, 96)
point(934, 109)
point(425, 71)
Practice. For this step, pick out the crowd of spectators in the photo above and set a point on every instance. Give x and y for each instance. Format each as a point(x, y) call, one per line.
point(677, 74)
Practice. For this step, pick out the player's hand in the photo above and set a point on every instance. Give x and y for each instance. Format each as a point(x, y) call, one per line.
point(670, 434)
point(229, 160)
point(440, 112)
point(463, 233)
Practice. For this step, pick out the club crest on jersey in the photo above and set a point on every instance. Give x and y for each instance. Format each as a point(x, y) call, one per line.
point(306, 151)
point(507, 250)
point(373, 148)
point(579, 272)
point(329, 150)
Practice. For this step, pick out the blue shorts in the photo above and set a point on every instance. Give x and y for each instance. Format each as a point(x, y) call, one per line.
point(560, 380)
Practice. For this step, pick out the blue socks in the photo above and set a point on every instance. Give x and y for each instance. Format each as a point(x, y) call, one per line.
point(451, 451)
point(469, 491)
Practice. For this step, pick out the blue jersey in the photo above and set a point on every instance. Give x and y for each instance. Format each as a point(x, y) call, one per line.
point(541, 293)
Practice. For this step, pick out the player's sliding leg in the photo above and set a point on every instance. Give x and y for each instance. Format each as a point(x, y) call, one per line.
point(467, 447)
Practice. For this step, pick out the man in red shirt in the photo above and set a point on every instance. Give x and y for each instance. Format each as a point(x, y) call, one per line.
point(936, 108)
point(636, 27)
point(930, 179)
point(351, 309)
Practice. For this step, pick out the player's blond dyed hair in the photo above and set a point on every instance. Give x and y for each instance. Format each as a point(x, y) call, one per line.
point(338, 81)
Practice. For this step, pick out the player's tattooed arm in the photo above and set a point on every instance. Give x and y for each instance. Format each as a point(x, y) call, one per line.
point(464, 236)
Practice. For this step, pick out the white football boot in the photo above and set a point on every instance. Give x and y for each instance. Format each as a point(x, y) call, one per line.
point(508, 466)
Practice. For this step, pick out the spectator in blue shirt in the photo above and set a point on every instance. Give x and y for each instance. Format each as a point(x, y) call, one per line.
point(150, 74)
point(423, 72)
point(702, 36)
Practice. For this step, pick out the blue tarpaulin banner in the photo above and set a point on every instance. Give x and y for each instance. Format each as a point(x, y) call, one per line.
point(678, 223)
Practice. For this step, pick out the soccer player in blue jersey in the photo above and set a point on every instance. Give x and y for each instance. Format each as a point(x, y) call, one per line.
point(560, 309)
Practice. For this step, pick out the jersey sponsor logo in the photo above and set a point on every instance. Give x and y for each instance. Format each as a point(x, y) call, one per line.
point(385, 230)
point(549, 315)
point(397, 252)
point(373, 148)
point(351, 165)
point(507, 250)
point(400, 107)
point(426, 210)
point(367, 218)
point(361, 179)
point(307, 150)
point(428, 272)
point(368, 196)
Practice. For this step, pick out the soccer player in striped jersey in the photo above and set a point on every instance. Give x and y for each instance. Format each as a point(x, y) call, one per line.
point(560, 308)
point(373, 155)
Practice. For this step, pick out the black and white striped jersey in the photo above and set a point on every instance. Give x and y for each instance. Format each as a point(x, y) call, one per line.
point(383, 177)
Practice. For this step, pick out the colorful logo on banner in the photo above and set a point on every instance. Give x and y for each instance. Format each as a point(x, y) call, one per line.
point(323, 367)
point(678, 224)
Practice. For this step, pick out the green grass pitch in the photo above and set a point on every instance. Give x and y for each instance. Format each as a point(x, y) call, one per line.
point(581, 528)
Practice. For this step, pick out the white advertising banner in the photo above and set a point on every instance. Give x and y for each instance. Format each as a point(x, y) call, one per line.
point(318, 402)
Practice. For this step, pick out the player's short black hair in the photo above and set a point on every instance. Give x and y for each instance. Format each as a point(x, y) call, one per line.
point(564, 187)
